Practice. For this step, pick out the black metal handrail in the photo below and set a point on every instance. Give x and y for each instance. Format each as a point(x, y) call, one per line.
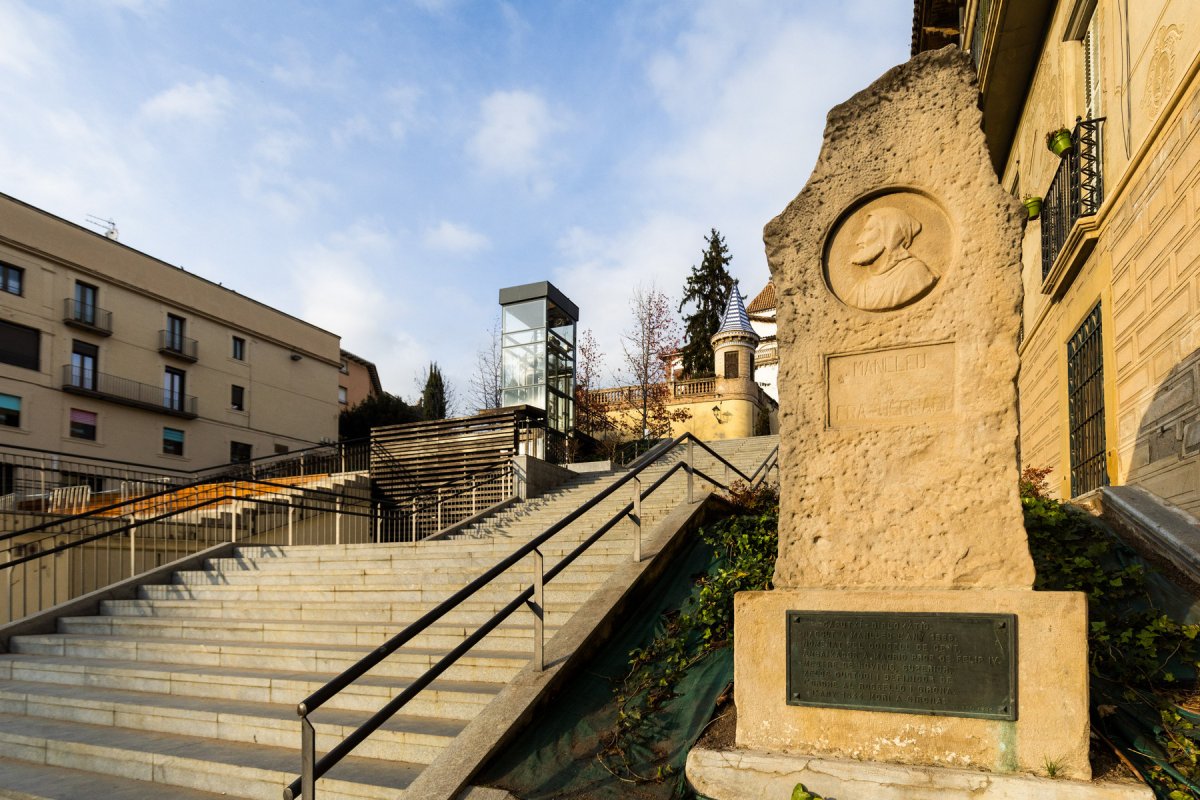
point(1077, 189)
point(127, 391)
point(177, 344)
point(87, 315)
point(313, 769)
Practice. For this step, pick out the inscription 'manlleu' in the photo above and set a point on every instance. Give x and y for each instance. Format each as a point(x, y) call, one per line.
point(887, 387)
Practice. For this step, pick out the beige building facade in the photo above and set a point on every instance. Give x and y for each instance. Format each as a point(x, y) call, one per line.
point(1110, 352)
point(106, 352)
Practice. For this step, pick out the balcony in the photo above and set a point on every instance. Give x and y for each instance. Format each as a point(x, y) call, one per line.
point(1069, 226)
point(87, 316)
point(127, 392)
point(177, 345)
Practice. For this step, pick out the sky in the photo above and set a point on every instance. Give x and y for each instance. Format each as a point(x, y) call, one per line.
point(383, 169)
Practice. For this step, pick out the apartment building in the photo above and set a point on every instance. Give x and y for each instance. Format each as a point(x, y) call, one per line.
point(108, 352)
point(359, 380)
point(1110, 354)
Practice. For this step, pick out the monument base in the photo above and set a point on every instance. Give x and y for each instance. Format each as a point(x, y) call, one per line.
point(1049, 733)
point(753, 774)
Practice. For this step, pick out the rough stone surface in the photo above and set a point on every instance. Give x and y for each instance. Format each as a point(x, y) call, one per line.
point(898, 275)
point(757, 775)
point(1052, 683)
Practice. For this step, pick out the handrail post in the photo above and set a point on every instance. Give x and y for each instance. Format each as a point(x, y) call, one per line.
point(637, 519)
point(308, 755)
point(690, 472)
point(291, 528)
point(132, 550)
point(439, 508)
point(233, 530)
point(337, 521)
point(538, 607)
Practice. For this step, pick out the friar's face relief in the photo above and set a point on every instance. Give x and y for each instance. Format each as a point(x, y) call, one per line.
point(870, 244)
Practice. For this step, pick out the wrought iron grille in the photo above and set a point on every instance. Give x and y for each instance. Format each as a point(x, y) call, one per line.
point(1085, 403)
point(1076, 191)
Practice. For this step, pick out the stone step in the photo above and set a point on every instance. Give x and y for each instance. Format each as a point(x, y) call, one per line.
point(169, 760)
point(459, 700)
point(416, 599)
point(582, 579)
point(408, 663)
point(28, 781)
point(173, 623)
point(404, 738)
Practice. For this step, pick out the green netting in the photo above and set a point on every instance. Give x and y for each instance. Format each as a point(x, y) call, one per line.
point(556, 756)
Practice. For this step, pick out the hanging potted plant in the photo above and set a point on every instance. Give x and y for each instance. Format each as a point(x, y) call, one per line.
point(1033, 205)
point(1058, 141)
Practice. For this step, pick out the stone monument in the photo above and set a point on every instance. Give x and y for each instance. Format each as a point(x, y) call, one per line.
point(903, 629)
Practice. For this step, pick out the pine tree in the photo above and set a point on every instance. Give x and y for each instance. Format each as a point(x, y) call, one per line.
point(433, 399)
point(707, 289)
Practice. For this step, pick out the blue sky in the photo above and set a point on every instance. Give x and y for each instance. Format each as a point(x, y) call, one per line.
point(381, 169)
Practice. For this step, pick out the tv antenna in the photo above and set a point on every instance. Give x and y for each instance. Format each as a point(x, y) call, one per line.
point(107, 225)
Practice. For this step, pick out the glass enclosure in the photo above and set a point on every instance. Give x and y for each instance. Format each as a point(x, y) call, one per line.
point(537, 365)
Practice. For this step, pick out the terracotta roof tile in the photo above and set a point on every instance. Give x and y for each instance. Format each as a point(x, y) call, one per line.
point(765, 299)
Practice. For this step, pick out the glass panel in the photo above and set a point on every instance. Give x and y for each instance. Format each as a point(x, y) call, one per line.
point(523, 366)
point(172, 435)
point(524, 337)
point(10, 402)
point(559, 322)
point(523, 316)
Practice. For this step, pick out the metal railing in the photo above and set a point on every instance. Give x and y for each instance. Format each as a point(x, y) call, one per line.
point(62, 558)
point(1077, 189)
point(87, 315)
point(127, 392)
point(176, 521)
point(178, 345)
point(313, 769)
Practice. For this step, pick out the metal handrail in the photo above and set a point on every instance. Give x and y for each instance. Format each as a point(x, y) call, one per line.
point(312, 769)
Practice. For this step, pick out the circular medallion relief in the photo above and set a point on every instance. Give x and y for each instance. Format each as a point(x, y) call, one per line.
point(887, 252)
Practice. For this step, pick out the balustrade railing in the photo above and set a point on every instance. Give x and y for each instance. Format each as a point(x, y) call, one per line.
point(127, 392)
point(87, 315)
point(1077, 189)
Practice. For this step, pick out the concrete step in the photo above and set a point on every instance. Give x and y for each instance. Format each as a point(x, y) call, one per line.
point(404, 738)
point(407, 664)
point(447, 699)
point(415, 599)
point(171, 760)
point(28, 781)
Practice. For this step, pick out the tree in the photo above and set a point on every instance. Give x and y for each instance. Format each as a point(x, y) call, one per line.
point(590, 416)
point(485, 382)
point(376, 410)
point(433, 398)
point(707, 289)
point(646, 346)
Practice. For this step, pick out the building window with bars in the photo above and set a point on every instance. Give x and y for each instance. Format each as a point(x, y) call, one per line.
point(1085, 405)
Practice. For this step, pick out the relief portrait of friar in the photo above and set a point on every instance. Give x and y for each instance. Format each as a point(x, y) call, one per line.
point(894, 276)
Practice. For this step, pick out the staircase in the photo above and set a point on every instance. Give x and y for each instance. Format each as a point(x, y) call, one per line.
point(190, 690)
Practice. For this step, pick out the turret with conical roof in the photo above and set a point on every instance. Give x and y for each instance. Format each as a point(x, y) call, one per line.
point(733, 354)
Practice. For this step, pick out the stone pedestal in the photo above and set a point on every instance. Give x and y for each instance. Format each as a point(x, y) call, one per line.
point(1051, 722)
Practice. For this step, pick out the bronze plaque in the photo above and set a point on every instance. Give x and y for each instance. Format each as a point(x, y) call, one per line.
point(958, 665)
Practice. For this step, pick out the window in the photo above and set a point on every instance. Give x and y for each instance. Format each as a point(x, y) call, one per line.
point(12, 279)
point(239, 348)
point(344, 368)
point(174, 382)
point(85, 303)
point(83, 424)
point(20, 346)
point(1085, 406)
point(10, 410)
point(239, 452)
point(342, 395)
point(172, 441)
point(731, 365)
point(280, 449)
point(237, 398)
point(1091, 72)
point(175, 333)
point(84, 356)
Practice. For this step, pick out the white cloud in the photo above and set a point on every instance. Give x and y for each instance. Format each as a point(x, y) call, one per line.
point(356, 128)
point(201, 101)
point(449, 237)
point(279, 147)
point(286, 196)
point(27, 39)
point(513, 132)
point(402, 107)
point(297, 69)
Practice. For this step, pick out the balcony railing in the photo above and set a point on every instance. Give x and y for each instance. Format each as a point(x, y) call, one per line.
point(694, 388)
point(178, 345)
point(87, 315)
point(78, 380)
point(1076, 191)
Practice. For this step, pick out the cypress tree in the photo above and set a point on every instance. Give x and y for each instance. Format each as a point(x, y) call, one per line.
point(433, 399)
point(707, 289)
